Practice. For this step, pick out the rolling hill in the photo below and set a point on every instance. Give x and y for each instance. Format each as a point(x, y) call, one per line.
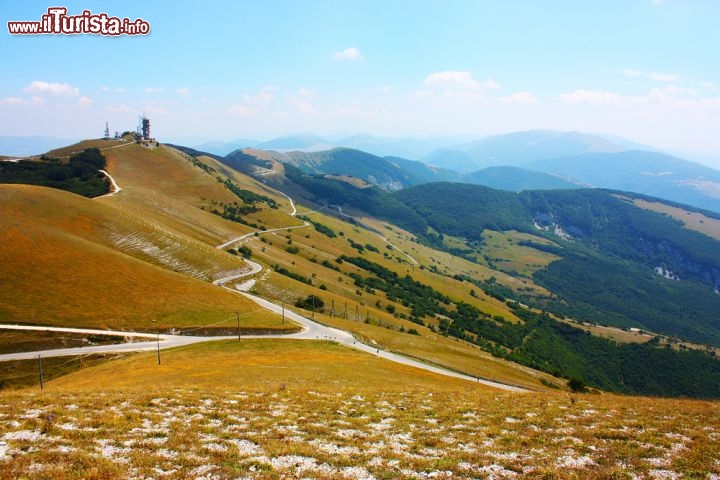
point(460, 275)
point(518, 149)
point(70, 261)
point(649, 173)
point(516, 179)
point(159, 234)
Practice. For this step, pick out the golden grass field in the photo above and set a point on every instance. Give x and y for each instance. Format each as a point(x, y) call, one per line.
point(509, 255)
point(692, 220)
point(264, 409)
point(60, 268)
point(281, 409)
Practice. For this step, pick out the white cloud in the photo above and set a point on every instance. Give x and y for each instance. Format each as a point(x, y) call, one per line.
point(673, 89)
point(663, 77)
point(302, 102)
point(184, 91)
point(654, 76)
point(12, 101)
point(455, 84)
point(456, 78)
point(520, 97)
point(51, 88)
point(105, 88)
point(592, 96)
point(350, 53)
point(240, 110)
point(84, 101)
point(259, 99)
point(254, 103)
point(628, 72)
point(154, 89)
point(384, 88)
point(122, 108)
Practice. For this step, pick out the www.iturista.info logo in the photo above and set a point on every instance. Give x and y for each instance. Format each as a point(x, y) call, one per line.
point(57, 22)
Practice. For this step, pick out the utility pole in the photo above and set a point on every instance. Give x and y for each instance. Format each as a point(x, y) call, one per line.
point(157, 333)
point(41, 371)
point(238, 324)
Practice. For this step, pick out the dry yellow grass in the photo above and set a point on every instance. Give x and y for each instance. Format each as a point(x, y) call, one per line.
point(169, 191)
point(57, 271)
point(383, 329)
point(266, 410)
point(100, 143)
point(508, 255)
point(692, 220)
point(257, 365)
point(613, 333)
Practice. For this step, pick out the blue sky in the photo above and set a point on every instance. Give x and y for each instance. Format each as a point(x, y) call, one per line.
point(644, 69)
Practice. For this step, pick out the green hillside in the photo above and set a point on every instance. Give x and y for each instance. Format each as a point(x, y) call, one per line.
point(516, 179)
point(377, 264)
point(592, 279)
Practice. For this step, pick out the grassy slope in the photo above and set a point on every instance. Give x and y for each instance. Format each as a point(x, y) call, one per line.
point(692, 220)
point(27, 341)
point(60, 268)
point(160, 205)
point(265, 409)
point(383, 327)
point(259, 365)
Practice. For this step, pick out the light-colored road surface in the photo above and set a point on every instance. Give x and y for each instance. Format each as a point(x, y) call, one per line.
point(165, 341)
point(311, 330)
point(260, 232)
point(116, 187)
point(314, 330)
point(382, 237)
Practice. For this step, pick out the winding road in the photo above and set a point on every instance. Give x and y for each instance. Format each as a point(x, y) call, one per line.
point(311, 330)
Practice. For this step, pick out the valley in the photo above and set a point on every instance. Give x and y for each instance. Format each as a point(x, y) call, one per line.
point(412, 327)
point(372, 241)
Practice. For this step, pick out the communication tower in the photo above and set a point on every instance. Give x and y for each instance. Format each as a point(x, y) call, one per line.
point(107, 131)
point(145, 127)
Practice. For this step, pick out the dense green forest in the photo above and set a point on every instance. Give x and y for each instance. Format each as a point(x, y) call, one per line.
point(465, 210)
point(371, 200)
point(78, 175)
point(359, 164)
point(606, 271)
point(554, 347)
point(606, 274)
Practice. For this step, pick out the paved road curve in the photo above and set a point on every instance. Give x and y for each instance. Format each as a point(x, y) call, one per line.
point(311, 330)
point(150, 342)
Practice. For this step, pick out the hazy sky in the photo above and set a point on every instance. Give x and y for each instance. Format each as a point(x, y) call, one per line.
point(648, 70)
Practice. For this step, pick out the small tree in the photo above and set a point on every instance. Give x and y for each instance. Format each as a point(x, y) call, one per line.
point(310, 303)
point(576, 385)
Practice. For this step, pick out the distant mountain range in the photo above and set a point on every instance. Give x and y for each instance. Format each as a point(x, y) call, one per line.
point(519, 161)
point(410, 148)
point(35, 145)
point(463, 154)
point(536, 159)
